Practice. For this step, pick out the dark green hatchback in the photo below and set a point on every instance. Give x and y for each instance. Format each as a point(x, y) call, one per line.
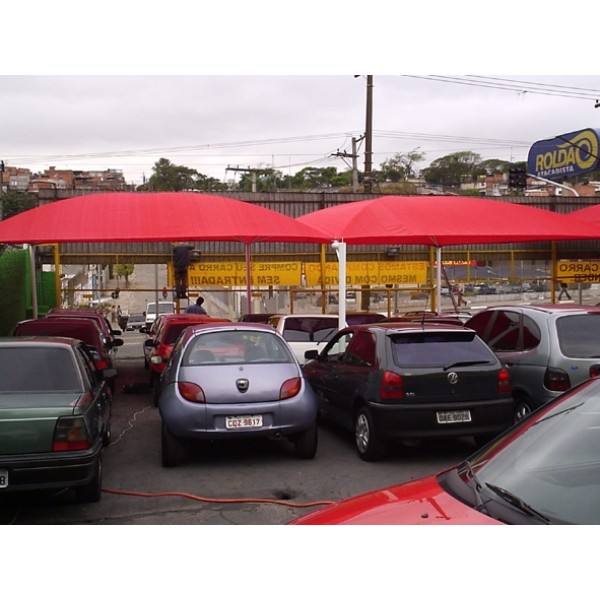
point(55, 413)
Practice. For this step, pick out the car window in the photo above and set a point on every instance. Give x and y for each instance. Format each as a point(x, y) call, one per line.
point(236, 347)
point(361, 350)
point(309, 329)
point(503, 331)
point(578, 335)
point(336, 348)
point(438, 349)
point(531, 334)
point(87, 367)
point(37, 369)
point(173, 332)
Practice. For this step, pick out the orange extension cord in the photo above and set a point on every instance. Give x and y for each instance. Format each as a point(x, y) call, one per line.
point(220, 500)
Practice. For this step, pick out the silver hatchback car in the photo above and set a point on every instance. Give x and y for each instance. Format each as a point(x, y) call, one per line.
point(547, 348)
point(234, 380)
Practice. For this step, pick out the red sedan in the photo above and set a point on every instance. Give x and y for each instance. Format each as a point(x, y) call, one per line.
point(543, 470)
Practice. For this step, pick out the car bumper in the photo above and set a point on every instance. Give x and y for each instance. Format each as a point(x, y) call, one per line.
point(56, 470)
point(420, 420)
point(208, 421)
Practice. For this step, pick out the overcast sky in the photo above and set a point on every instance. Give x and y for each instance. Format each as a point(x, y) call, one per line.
point(68, 107)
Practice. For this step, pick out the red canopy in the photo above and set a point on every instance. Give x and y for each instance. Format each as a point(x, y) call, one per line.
point(157, 216)
point(589, 214)
point(444, 221)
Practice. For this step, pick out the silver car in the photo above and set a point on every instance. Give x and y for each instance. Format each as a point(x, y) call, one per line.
point(547, 348)
point(234, 380)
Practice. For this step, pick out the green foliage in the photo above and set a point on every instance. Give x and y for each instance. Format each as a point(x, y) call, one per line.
point(400, 167)
point(168, 177)
point(13, 203)
point(124, 270)
point(454, 169)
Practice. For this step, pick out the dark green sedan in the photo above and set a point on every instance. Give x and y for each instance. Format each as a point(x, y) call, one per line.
point(55, 413)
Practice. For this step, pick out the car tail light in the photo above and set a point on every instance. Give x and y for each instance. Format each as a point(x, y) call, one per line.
point(557, 380)
point(70, 433)
point(191, 391)
point(594, 371)
point(290, 388)
point(101, 364)
point(392, 386)
point(503, 381)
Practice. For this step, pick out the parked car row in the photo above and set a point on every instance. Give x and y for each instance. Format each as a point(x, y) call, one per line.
point(419, 376)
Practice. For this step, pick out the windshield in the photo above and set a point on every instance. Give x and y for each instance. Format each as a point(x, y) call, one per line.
point(551, 462)
point(31, 369)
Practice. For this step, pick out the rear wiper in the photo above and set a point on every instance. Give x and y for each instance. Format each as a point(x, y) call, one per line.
point(466, 363)
point(518, 503)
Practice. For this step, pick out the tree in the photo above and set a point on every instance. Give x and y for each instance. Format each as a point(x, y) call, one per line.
point(13, 203)
point(168, 177)
point(454, 169)
point(493, 166)
point(124, 270)
point(400, 167)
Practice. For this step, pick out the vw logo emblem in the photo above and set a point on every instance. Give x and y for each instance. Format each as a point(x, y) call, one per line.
point(452, 377)
point(242, 385)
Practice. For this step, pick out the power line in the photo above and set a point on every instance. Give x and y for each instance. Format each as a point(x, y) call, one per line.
point(520, 87)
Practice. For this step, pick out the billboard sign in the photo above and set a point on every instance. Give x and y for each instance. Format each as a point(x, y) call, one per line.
point(565, 155)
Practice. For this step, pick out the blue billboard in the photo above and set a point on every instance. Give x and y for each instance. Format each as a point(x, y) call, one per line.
point(565, 155)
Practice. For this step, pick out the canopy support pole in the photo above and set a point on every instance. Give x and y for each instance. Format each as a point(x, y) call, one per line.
point(438, 279)
point(248, 281)
point(340, 250)
point(34, 297)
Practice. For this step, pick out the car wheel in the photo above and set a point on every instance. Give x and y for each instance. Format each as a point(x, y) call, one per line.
point(155, 390)
point(368, 444)
point(107, 435)
point(91, 492)
point(305, 444)
point(172, 449)
point(522, 408)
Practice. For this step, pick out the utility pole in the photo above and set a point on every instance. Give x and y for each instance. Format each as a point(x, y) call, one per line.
point(253, 173)
point(354, 157)
point(1, 190)
point(368, 182)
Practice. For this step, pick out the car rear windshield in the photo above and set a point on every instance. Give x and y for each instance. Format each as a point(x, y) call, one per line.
point(30, 369)
point(236, 347)
point(309, 329)
point(579, 335)
point(439, 349)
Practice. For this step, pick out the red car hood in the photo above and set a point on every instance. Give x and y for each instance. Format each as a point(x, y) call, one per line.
point(420, 502)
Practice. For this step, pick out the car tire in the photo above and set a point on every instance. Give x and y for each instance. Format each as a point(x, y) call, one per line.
point(155, 390)
point(172, 449)
point(523, 407)
point(92, 491)
point(305, 443)
point(107, 435)
point(368, 444)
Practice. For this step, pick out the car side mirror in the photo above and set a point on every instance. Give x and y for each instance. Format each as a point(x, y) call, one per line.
point(116, 343)
point(311, 354)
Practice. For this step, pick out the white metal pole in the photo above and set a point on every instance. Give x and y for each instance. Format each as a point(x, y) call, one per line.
point(340, 250)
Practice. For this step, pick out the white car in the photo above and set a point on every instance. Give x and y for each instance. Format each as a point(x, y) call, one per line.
point(305, 332)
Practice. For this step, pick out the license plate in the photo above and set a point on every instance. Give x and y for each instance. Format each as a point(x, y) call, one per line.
point(453, 416)
point(245, 422)
point(3, 478)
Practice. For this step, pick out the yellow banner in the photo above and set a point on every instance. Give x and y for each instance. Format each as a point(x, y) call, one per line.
point(369, 273)
point(233, 274)
point(578, 271)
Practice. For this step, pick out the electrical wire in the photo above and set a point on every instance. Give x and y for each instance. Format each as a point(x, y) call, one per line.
point(220, 500)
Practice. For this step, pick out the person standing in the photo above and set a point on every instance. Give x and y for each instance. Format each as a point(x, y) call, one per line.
point(197, 308)
point(564, 289)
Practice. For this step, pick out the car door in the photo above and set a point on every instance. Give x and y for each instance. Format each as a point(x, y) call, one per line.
point(98, 415)
point(323, 372)
point(356, 376)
